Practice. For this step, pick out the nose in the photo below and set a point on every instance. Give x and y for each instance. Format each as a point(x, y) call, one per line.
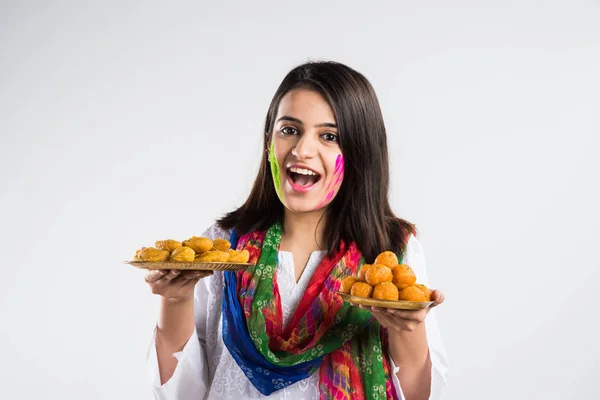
point(305, 148)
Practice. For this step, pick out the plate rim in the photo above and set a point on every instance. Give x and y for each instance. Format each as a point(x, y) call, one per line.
point(189, 265)
point(396, 304)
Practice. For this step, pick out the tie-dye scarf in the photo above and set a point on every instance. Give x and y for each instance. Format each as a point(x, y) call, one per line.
point(345, 343)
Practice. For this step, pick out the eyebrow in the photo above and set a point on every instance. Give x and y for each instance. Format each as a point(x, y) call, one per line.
point(296, 120)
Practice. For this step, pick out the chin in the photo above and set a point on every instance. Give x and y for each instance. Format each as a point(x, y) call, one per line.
point(302, 205)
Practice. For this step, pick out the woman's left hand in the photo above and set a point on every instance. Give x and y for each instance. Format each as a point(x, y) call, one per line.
point(404, 320)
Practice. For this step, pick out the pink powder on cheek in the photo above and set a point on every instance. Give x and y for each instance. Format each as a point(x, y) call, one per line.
point(339, 170)
point(329, 196)
point(338, 175)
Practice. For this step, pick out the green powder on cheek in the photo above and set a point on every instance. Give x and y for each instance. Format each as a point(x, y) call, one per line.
point(275, 170)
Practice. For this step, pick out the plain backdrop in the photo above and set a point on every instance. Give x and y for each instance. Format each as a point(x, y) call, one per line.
point(125, 122)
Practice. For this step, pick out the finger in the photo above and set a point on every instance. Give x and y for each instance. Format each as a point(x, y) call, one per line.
point(187, 276)
point(196, 273)
point(166, 280)
point(184, 278)
point(384, 320)
point(410, 315)
point(438, 297)
point(172, 274)
point(184, 283)
point(385, 314)
point(155, 275)
point(391, 311)
point(395, 323)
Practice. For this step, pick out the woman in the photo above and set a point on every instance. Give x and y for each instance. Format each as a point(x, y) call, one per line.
point(317, 211)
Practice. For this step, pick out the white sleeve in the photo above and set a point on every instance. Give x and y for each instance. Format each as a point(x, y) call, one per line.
point(189, 381)
point(190, 378)
point(439, 361)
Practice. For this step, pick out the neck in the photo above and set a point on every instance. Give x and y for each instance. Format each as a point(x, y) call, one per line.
point(307, 228)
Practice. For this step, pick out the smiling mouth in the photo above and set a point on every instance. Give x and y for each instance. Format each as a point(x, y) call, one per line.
point(302, 177)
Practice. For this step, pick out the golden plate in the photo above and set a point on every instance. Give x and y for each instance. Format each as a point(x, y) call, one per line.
point(397, 304)
point(191, 266)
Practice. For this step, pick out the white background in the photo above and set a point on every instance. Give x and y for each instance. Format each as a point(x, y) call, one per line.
point(125, 122)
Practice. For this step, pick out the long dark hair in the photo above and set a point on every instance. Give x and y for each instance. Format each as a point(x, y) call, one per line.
point(360, 212)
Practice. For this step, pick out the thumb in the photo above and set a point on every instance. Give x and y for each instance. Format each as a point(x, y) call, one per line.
point(437, 297)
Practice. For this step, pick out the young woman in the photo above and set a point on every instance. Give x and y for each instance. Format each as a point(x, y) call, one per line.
point(317, 211)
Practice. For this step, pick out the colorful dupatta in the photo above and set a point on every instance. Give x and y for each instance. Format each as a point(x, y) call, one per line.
point(345, 343)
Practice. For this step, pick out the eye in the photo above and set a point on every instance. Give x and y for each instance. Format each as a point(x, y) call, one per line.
point(288, 130)
point(330, 137)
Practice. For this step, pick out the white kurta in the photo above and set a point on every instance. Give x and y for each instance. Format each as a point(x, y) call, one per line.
point(206, 369)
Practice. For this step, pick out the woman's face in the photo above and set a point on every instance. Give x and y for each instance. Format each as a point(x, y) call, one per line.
point(305, 156)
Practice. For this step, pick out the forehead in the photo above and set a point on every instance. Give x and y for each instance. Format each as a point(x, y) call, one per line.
point(307, 105)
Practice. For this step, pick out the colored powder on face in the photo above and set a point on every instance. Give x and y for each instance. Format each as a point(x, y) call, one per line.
point(329, 196)
point(338, 175)
point(275, 170)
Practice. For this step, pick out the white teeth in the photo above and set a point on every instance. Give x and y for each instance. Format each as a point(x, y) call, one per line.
point(302, 171)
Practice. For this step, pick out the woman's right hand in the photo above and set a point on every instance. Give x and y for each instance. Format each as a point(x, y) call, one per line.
point(174, 285)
